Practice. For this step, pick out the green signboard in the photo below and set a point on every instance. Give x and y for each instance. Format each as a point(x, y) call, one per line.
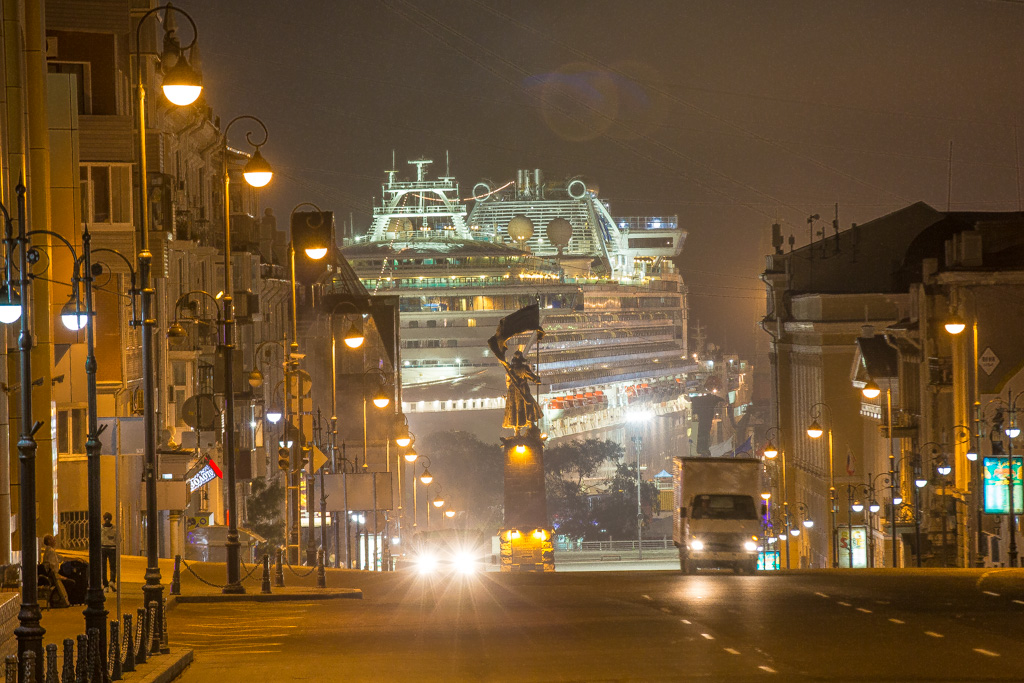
point(996, 485)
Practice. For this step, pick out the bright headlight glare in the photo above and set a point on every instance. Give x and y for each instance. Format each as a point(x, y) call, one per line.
point(465, 563)
point(751, 546)
point(426, 564)
point(697, 544)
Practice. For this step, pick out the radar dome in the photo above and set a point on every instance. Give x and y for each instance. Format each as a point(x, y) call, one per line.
point(520, 228)
point(559, 233)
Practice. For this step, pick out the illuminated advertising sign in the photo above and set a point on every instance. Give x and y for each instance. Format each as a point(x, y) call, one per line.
point(768, 560)
point(201, 478)
point(995, 474)
point(860, 547)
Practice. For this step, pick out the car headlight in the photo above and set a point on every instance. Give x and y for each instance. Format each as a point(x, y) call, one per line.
point(696, 544)
point(465, 563)
point(751, 546)
point(426, 564)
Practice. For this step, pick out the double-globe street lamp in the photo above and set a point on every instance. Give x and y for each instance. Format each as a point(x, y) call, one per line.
point(181, 86)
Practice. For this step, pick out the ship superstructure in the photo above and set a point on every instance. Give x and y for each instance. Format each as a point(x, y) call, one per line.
point(613, 306)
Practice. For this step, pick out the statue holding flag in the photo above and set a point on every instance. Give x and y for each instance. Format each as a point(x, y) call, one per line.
point(525, 536)
point(521, 408)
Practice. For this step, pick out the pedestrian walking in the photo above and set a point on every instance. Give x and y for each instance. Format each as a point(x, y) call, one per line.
point(108, 551)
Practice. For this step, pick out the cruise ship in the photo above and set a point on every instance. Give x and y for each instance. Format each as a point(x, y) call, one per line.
point(613, 361)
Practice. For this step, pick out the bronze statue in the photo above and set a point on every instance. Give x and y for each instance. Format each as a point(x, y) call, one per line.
point(521, 408)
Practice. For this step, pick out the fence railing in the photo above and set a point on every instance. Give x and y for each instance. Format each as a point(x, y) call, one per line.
point(648, 544)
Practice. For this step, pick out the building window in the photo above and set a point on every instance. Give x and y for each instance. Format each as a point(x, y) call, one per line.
point(431, 323)
point(471, 322)
point(106, 194)
point(71, 430)
point(414, 323)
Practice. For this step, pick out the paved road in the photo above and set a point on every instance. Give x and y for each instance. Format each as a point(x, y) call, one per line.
point(834, 625)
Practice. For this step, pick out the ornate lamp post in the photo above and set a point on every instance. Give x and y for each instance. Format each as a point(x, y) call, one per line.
point(815, 431)
point(872, 390)
point(771, 452)
point(181, 86)
point(257, 173)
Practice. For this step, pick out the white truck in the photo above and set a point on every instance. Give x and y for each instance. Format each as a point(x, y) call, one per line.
point(716, 520)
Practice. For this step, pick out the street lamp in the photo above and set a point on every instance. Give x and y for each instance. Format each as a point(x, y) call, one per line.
point(257, 173)
point(181, 89)
point(871, 390)
point(815, 431)
point(771, 452)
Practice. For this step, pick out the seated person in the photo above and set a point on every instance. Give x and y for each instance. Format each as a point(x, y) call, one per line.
point(50, 566)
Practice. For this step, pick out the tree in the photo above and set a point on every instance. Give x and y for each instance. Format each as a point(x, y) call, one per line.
point(566, 467)
point(615, 511)
point(264, 508)
point(470, 473)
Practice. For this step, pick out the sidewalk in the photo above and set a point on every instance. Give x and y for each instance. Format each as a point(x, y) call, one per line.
point(200, 582)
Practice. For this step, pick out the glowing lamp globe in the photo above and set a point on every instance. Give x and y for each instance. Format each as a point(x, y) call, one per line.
point(955, 325)
point(871, 390)
point(815, 430)
point(182, 85)
point(354, 338)
point(257, 171)
point(316, 253)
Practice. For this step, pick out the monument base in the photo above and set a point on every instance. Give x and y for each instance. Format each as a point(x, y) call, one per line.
point(526, 550)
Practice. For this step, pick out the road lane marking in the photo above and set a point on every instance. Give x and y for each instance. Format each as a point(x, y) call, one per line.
point(995, 595)
point(767, 669)
point(933, 634)
point(731, 651)
point(845, 604)
point(896, 621)
point(987, 653)
point(1019, 602)
point(820, 595)
point(865, 611)
point(646, 597)
point(685, 621)
point(881, 602)
point(707, 636)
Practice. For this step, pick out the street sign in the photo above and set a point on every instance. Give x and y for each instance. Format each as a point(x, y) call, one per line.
point(319, 459)
point(199, 412)
point(988, 360)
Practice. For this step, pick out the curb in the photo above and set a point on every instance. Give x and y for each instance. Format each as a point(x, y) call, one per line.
point(337, 594)
point(181, 661)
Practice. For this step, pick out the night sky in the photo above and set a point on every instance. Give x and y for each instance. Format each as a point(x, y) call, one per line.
point(729, 114)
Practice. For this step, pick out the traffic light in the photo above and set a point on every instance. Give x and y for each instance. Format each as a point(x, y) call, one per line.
point(282, 458)
point(303, 457)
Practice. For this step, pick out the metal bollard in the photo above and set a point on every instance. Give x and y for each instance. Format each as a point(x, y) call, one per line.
point(279, 573)
point(140, 644)
point(321, 574)
point(51, 664)
point(82, 663)
point(265, 587)
point(165, 647)
point(67, 674)
point(129, 646)
point(114, 656)
point(11, 669)
point(176, 576)
point(94, 673)
point(28, 667)
point(154, 629)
